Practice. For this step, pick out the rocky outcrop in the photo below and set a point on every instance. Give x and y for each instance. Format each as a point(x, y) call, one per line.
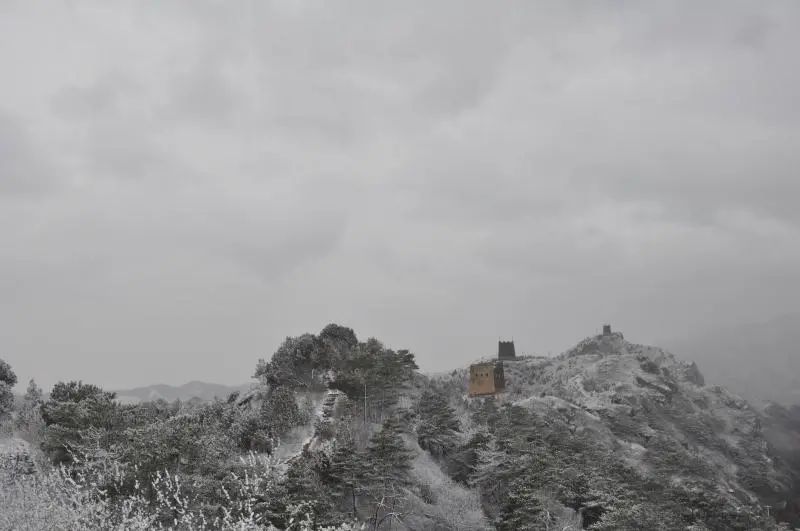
point(693, 375)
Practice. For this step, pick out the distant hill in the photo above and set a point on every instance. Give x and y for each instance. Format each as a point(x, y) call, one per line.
point(187, 391)
point(760, 362)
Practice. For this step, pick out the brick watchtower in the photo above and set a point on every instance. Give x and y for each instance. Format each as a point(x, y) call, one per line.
point(486, 378)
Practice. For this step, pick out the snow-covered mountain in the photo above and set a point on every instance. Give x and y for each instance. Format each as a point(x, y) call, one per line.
point(653, 414)
point(608, 435)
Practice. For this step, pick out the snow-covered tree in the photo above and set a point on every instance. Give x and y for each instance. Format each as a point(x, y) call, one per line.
point(33, 394)
point(280, 410)
point(72, 408)
point(29, 423)
point(389, 463)
point(7, 381)
point(347, 473)
point(438, 427)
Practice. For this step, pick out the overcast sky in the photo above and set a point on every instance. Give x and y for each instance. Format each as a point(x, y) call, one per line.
point(184, 184)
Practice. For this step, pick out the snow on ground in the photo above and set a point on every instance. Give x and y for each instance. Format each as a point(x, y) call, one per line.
point(292, 444)
point(305, 438)
point(448, 502)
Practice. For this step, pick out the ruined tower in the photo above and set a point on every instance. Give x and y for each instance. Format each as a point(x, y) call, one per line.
point(606, 329)
point(505, 350)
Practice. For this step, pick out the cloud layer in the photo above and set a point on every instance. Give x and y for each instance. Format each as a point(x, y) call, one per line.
point(183, 185)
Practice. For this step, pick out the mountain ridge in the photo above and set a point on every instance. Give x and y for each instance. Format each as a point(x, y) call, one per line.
point(194, 389)
point(649, 414)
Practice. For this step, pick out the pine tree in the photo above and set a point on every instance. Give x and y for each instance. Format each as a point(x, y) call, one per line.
point(29, 418)
point(390, 462)
point(493, 472)
point(72, 409)
point(280, 410)
point(7, 380)
point(346, 473)
point(387, 453)
point(33, 394)
point(304, 492)
point(486, 412)
point(438, 426)
point(523, 508)
point(462, 461)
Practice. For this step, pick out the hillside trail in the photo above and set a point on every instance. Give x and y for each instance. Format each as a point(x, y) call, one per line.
point(305, 438)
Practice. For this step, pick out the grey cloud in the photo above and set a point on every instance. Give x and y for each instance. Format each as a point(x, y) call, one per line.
point(118, 152)
point(24, 170)
point(103, 97)
point(272, 260)
point(432, 174)
point(203, 95)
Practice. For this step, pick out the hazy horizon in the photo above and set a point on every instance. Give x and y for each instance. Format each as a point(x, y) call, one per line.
point(183, 186)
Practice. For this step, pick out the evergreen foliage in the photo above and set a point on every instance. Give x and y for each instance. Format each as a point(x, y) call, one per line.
point(438, 427)
point(7, 375)
point(73, 409)
point(302, 362)
point(29, 421)
point(389, 462)
point(384, 372)
point(523, 508)
point(347, 474)
point(387, 454)
point(281, 411)
point(7, 381)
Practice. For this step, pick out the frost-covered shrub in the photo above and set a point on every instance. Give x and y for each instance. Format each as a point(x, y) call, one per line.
point(65, 502)
point(65, 499)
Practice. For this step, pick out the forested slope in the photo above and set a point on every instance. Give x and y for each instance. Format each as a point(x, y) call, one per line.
point(624, 435)
point(346, 434)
